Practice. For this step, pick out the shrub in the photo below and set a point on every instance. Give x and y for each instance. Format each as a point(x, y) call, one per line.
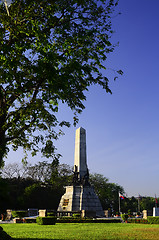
point(29, 220)
point(124, 217)
point(4, 235)
point(46, 220)
point(18, 220)
point(50, 214)
point(76, 215)
point(129, 212)
point(153, 220)
point(19, 214)
point(137, 220)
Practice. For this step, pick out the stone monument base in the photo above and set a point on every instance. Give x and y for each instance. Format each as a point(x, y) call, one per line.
point(78, 198)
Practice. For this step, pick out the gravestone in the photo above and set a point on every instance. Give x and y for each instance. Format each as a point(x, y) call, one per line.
point(80, 195)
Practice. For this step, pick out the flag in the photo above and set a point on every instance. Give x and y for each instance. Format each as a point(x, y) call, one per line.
point(156, 199)
point(140, 197)
point(121, 196)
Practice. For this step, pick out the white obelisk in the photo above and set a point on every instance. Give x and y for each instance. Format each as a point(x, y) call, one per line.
point(80, 159)
point(80, 196)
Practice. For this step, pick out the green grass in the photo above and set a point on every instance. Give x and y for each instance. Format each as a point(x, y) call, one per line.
point(83, 231)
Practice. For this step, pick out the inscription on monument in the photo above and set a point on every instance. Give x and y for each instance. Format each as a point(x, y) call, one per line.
point(65, 202)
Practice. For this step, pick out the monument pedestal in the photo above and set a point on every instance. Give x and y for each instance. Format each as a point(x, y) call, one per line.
point(78, 198)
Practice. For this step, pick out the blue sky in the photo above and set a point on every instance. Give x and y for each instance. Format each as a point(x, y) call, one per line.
point(123, 128)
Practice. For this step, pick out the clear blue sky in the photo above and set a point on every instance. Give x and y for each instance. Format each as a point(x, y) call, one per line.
point(123, 128)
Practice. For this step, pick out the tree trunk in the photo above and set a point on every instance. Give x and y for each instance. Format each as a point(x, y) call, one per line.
point(3, 148)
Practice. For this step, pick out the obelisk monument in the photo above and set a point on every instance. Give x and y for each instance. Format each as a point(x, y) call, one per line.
point(80, 160)
point(80, 195)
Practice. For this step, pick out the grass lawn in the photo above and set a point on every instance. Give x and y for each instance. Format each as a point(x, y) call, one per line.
point(76, 231)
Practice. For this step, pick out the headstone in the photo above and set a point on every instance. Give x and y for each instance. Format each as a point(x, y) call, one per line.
point(81, 196)
point(155, 212)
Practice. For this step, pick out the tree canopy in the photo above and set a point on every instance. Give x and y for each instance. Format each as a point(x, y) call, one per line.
point(107, 192)
point(51, 52)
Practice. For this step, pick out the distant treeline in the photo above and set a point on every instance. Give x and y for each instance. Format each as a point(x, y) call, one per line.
point(42, 185)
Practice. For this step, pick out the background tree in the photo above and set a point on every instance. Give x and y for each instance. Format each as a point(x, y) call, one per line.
point(14, 170)
point(51, 52)
point(147, 203)
point(45, 188)
point(129, 205)
point(108, 193)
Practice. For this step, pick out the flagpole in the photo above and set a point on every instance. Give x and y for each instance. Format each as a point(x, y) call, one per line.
point(155, 201)
point(119, 203)
point(138, 204)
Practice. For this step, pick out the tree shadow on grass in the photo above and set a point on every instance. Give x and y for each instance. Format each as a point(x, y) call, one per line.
point(36, 239)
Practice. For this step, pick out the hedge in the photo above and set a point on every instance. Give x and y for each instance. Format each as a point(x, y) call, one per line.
point(76, 215)
point(83, 220)
point(46, 220)
point(137, 220)
point(124, 217)
point(19, 214)
point(50, 214)
point(4, 235)
point(153, 220)
point(29, 220)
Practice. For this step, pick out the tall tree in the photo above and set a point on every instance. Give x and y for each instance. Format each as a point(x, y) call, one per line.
point(107, 192)
point(51, 52)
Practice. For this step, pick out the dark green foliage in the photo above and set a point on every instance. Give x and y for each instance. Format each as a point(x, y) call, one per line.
point(13, 198)
point(41, 196)
point(137, 220)
point(4, 235)
point(107, 192)
point(41, 186)
point(29, 220)
point(124, 217)
point(83, 220)
point(50, 214)
point(4, 194)
point(52, 51)
point(19, 214)
point(129, 212)
point(129, 204)
point(76, 215)
point(46, 220)
point(147, 203)
point(153, 220)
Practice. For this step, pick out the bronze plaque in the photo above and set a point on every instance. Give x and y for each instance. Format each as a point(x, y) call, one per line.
point(65, 202)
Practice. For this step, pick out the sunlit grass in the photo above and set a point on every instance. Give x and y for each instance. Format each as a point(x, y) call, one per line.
point(82, 231)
